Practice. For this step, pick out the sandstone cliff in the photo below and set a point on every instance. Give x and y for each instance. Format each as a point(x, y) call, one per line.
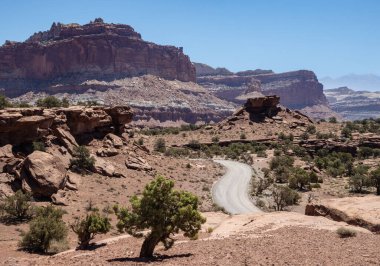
point(296, 89)
point(72, 53)
point(25, 125)
point(354, 105)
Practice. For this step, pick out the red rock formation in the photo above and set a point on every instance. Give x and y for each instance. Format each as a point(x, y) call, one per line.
point(297, 89)
point(26, 125)
point(73, 53)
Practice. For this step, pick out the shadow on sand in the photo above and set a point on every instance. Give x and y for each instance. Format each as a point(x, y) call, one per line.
point(157, 258)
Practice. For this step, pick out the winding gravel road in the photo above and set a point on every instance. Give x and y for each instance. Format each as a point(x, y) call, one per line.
point(231, 191)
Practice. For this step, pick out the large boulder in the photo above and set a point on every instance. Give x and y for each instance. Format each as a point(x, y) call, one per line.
point(43, 174)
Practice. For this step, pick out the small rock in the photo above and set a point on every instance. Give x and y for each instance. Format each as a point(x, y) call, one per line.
point(107, 152)
point(117, 142)
point(59, 198)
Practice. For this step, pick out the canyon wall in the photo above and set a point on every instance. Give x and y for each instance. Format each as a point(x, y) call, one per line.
point(70, 54)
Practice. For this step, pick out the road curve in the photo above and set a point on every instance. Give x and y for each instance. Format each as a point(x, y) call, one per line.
point(231, 191)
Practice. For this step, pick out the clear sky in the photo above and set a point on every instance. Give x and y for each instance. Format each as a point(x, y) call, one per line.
point(331, 37)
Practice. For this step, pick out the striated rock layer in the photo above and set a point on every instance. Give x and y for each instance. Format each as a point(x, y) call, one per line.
point(20, 126)
point(72, 53)
point(297, 89)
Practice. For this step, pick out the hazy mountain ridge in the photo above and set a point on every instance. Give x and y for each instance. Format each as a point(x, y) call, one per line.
point(368, 82)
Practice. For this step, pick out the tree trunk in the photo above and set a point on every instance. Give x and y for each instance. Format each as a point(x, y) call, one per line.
point(378, 189)
point(148, 246)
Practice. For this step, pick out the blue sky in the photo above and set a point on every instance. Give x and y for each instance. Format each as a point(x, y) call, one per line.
point(333, 38)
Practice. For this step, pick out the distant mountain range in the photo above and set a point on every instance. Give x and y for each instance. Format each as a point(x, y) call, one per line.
point(355, 82)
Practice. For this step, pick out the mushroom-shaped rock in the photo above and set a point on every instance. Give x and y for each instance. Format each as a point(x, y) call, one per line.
point(43, 173)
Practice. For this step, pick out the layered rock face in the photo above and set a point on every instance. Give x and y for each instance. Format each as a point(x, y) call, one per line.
point(43, 171)
point(20, 126)
point(74, 53)
point(354, 105)
point(155, 101)
point(297, 89)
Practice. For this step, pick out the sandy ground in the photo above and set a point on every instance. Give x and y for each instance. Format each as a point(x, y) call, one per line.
point(288, 240)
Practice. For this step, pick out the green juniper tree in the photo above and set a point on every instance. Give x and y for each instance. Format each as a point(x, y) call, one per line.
point(164, 211)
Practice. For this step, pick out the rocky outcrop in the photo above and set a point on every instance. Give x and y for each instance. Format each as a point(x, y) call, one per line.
point(72, 53)
point(263, 105)
point(156, 101)
point(297, 89)
point(359, 211)
point(26, 125)
point(43, 174)
point(206, 70)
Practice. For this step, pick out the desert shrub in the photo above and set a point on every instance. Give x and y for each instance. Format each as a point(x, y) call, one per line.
point(332, 120)
point(164, 211)
point(305, 136)
point(38, 146)
point(277, 152)
point(279, 161)
point(375, 176)
point(299, 178)
point(49, 102)
point(335, 163)
point(261, 154)
point(313, 177)
point(376, 153)
point(284, 137)
point(281, 166)
point(22, 105)
point(88, 103)
point(365, 152)
point(360, 179)
point(160, 145)
point(344, 232)
point(86, 229)
point(215, 139)
point(140, 141)
point(4, 103)
point(82, 160)
point(346, 132)
point(311, 129)
point(16, 208)
point(65, 102)
point(260, 185)
point(243, 136)
point(177, 152)
point(284, 196)
point(194, 144)
point(299, 151)
point(47, 226)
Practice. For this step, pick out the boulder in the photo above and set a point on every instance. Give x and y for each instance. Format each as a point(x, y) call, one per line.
point(116, 141)
point(263, 105)
point(103, 167)
point(59, 198)
point(6, 151)
point(43, 174)
point(74, 180)
point(107, 152)
point(66, 139)
point(137, 163)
